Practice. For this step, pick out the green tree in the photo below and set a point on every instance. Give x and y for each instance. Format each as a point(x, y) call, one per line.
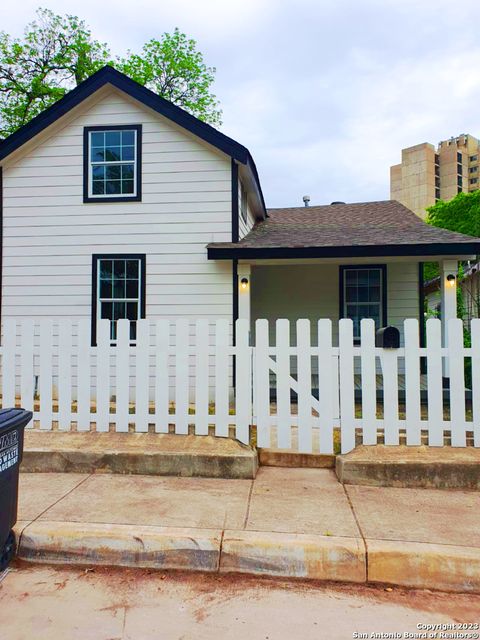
point(175, 70)
point(57, 52)
point(461, 214)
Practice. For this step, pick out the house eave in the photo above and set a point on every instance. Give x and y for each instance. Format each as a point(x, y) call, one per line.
point(462, 251)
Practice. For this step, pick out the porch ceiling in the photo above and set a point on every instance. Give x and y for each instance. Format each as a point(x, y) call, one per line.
point(370, 229)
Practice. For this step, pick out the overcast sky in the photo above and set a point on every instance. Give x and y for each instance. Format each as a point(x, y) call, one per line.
point(324, 93)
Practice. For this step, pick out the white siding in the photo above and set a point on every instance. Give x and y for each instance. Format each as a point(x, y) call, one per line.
point(295, 291)
point(402, 293)
point(312, 291)
point(50, 234)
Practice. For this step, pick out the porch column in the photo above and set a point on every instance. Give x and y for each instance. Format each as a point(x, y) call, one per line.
point(448, 308)
point(244, 276)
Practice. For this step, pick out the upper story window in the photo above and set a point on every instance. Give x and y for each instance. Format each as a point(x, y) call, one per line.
point(243, 202)
point(473, 158)
point(112, 163)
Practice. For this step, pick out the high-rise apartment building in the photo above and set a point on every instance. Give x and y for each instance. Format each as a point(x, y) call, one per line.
point(426, 174)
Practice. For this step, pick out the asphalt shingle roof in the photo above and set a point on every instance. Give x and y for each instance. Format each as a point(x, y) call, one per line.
point(367, 224)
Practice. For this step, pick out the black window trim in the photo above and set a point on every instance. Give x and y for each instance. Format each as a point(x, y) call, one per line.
point(383, 268)
point(138, 162)
point(142, 257)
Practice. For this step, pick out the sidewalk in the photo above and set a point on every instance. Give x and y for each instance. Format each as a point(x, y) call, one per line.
point(287, 522)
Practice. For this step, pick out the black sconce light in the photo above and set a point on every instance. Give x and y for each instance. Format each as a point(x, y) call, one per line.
point(451, 279)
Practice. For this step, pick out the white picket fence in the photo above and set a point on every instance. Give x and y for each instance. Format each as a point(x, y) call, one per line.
point(178, 376)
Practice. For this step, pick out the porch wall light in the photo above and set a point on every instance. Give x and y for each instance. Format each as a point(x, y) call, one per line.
point(244, 283)
point(451, 279)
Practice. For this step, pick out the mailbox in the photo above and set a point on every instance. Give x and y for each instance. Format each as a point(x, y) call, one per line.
point(387, 338)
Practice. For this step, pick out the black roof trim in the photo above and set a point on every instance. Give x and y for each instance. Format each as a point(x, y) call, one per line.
point(352, 251)
point(109, 75)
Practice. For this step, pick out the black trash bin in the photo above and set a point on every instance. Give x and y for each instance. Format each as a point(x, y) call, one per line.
point(12, 425)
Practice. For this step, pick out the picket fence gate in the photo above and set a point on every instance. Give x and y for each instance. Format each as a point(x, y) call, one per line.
point(191, 378)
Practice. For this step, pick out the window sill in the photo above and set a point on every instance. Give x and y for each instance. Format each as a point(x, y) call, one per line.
point(88, 199)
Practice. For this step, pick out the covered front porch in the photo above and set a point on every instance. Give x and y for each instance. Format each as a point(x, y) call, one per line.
point(388, 291)
point(361, 260)
point(338, 261)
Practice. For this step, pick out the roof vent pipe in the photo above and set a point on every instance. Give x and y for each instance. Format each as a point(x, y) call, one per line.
point(306, 200)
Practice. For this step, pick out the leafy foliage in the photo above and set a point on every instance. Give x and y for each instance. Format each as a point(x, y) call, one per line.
point(430, 271)
point(175, 70)
point(57, 52)
point(461, 214)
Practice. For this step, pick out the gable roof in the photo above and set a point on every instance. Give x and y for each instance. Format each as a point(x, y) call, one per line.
point(385, 228)
point(109, 75)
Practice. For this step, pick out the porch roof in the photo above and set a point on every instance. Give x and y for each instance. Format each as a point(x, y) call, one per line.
point(384, 228)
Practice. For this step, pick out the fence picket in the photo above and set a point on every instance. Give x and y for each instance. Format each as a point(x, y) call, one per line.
point(122, 376)
point(201, 377)
point(435, 383)
point(413, 414)
point(103, 375)
point(369, 381)
point(9, 362)
point(457, 383)
point(161, 376)
point(65, 331)
point(181, 381)
point(142, 374)
point(83, 376)
point(46, 373)
point(243, 383)
point(284, 422)
point(27, 328)
point(347, 386)
point(327, 385)
point(221, 378)
point(476, 381)
point(389, 362)
point(304, 375)
point(262, 383)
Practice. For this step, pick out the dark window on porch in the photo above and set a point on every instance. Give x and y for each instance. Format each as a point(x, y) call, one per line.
point(363, 295)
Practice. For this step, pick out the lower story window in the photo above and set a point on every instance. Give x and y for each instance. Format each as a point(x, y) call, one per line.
point(119, 291)
point(363, 295)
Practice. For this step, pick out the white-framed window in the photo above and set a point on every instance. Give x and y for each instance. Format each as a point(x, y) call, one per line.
point(112, 163)
point(363, 295)
point(243, 202)
point(119, 290)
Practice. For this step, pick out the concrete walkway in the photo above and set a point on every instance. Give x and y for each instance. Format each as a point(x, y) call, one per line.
point(287, 522)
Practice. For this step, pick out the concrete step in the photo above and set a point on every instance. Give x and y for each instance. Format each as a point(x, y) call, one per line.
point(294, 459)
point(138, 453)
point(410, 467)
